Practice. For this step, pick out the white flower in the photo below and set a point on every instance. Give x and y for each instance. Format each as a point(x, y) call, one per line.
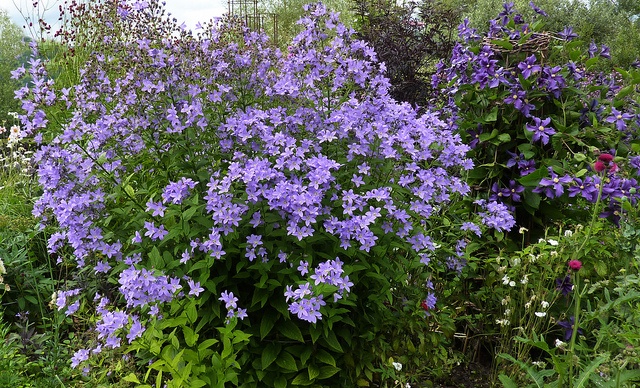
point(544, 304)
point(507, 312)
point(522, 230)
point(503, 322)
point(512, 284)
point(515, 261)
point(540, 314)
point(3, 270)
point(397, 366)
point(506, 300)
point(560, 344)
point(525, 279)
point(527, 305)
point(505, 280)
point(568, 233)
point(539, 364)
point(552, 242)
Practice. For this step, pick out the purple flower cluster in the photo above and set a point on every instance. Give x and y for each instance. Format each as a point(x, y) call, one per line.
point(496, 215)
point(306, 300)
point(302, 145)
point(230, 303)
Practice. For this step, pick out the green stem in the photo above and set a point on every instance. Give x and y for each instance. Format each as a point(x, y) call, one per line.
point(593, 216)
point(574, 332)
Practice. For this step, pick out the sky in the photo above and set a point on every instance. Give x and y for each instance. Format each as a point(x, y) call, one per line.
point(188, 11)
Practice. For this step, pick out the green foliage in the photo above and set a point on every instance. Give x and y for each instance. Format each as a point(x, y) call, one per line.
point(601, 21)
point(13, 51)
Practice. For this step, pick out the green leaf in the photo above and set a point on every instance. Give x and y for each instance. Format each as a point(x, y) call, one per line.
point(532, 180)
point(131, 377)
point(302, 379)
point(286, 361)
point(507, 382)
point(491, 116)
point(624, 92)
point(267, 323)
point(280, 382)
point(327, 371)
point(504, 138)
point(191, 312)
point(589, 370)
point(190, 336)
point(155, 258)
point(290, 330)
point(332, 341)
point(270, 354)
point(504, 43)
point(325, 357)
point(313, 371)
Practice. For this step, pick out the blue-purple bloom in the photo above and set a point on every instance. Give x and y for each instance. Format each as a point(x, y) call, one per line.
point(541, 130)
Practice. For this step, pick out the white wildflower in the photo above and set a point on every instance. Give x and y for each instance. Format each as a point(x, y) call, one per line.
point(540, 314)
point(397, 366)
point(539, 364)
point(3, 270)
point(505, 280)
point(507, 312)
point(515, 261)
point(503, 322)
point(552, 242)
point(522, 230)
point(568, 233)
point(525, 279)
point(560, 344)
point(544, 304)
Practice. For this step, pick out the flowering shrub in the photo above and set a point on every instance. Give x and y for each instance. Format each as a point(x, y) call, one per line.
point(534, 125)
point(229, 208)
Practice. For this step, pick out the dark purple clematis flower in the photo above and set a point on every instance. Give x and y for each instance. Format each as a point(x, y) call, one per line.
point(564, 285)
point(567, 34)
point(515, 190)
point(568, 328)
point(537, 9)
point(553, 187)
point(541, 130)
point(528, 66)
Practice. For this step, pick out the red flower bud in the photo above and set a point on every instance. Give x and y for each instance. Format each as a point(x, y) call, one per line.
point(606, 158)
point(599, 166)
point(425, 306)
point(575, 264)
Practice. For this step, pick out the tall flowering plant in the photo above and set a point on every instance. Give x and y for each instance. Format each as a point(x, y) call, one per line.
point(240, 209)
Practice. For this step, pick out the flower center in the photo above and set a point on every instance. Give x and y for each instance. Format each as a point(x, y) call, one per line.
point(619, 117)
point(556, 180)
point(541, 128)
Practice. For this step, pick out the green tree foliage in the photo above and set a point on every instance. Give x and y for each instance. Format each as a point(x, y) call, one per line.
point(611, 22)
point(12, 49)
point(288, 12)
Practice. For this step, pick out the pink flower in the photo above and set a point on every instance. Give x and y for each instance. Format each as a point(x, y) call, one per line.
point(599, 166)
point(575, 264)
point(605, 158)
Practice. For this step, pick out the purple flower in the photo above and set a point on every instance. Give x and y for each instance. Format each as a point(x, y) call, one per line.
point(194, 288)
point(528, 67)
point(619, 119)
point(568, 326)
point(79, 356)
point(540, 129)
point(537, 10)
point(553, 187)
point(567, 34)
point(564, 285)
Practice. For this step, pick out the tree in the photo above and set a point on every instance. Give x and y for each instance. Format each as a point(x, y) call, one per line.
point(12, 50)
